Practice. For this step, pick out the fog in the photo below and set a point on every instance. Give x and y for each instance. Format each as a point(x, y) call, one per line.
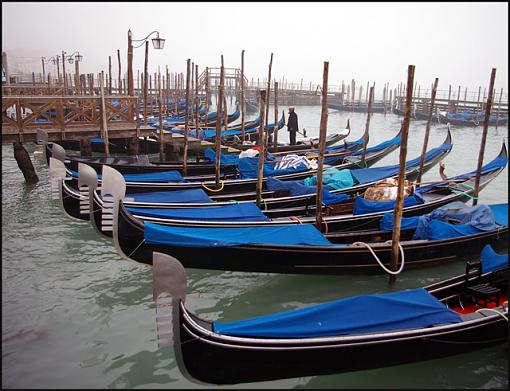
point(457, 42)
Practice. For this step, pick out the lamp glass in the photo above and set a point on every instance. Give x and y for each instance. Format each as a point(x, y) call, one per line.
point(158, 43)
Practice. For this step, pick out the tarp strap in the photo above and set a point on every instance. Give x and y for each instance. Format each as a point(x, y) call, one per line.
point(212, 190)
point(379, 261)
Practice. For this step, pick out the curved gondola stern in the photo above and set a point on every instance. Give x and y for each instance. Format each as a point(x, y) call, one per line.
point(169, 294)
point(113, 189)
point(87, 185)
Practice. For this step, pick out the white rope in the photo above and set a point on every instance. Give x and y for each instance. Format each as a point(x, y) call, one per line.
point(492, 310)
point(378, 260)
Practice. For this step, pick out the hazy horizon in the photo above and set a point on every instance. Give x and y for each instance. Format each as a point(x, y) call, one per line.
point(457, 42)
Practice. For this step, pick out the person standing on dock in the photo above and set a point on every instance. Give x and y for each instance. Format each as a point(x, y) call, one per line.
point(292, 125)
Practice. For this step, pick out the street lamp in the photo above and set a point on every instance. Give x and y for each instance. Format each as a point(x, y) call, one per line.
point(158, 44)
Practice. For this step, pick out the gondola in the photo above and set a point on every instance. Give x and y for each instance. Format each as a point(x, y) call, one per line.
point(274, 206)
point(348, 334)
point(353, 213)
point(297, 248)
point(301, 145)
point(470, 119)
point(415, 114)
point(209, 121)
point(160, 181)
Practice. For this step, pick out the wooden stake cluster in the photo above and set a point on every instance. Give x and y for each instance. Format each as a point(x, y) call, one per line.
point(397, 214)
point(322, 145)
point(488, 108)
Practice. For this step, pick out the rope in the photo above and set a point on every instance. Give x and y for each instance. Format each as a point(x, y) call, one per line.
point(212, 190)
point(492, 310)
point(326, 224)
point(377, 259)
point(295, 218)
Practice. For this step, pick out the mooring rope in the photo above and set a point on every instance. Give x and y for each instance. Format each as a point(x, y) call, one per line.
point(212, 190)
point(379, 261)
point(295, 218)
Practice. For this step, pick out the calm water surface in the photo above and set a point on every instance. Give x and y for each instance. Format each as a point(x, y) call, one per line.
point(76, 315)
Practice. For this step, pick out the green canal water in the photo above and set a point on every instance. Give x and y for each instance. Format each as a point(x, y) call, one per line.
point(77, 315)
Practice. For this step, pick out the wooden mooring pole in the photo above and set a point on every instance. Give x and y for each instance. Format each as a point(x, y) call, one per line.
point(397, 214)
point(186, 122)
point(367, 126)
point(322, 146)
point(427, 129)
point(243, 106)
point(275, 129)
point(146, 83)
point(268, 93)
point(24, 163)
point(104, 124)
point(260, 171)
point(488, 108)
point(217, 139)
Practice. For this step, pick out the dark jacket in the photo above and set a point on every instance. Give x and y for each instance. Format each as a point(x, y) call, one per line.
point(292, 123)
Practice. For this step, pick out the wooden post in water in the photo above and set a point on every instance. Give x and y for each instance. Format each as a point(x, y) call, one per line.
point(367, 126)
point(499, 105)
point(397, 219)
point(322, 145)
point(161, 142)
point(24, 163)
point(146, 83)
point(262, 144)
point(243, 113)
point(109, 75)
point(488, 108)
point(268, 93)
point(196, 101)
point(217, 139)
point(77, 78)
point(64, 73)
point(275, 129)
point(186, 122)
point(120, 73)
point(427, 129)
point(206, 95)
point(104, 127)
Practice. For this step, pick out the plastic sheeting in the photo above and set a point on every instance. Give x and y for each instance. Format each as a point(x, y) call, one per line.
point(235, 212)
point(333, 177)
point(248, 168)
point(297, 188)
point(295, 234)
point(359, 314)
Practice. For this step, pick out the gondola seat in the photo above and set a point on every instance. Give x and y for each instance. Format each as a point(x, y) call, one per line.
point(480, 292)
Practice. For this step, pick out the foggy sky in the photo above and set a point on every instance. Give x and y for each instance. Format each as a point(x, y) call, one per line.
point(457, 42)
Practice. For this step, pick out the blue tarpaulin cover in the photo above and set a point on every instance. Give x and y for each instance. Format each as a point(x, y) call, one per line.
point(386, 223)
point(296, 234)
point(210, 155)
point(491, 260)
point(297, 188)
point(235, 212)
point(162, 176)
point(468, 220)
point(174, 196)
point(363, 206)
point(354, 315)
point(500, 212)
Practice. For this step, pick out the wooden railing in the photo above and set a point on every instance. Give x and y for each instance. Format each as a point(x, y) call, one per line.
point(23, 115)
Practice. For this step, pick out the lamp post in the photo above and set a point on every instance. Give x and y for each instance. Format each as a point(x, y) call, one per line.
point(76, 60)
point(158, 43)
